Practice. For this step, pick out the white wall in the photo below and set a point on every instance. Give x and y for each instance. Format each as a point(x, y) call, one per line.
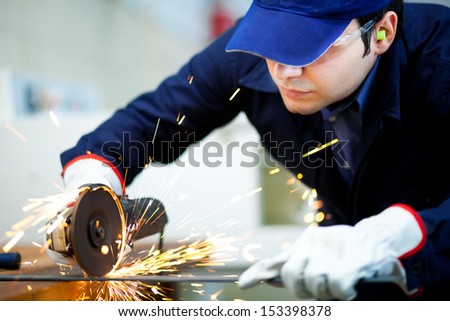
point(102, 42)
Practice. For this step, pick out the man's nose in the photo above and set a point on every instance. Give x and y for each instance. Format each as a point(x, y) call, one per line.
point(283, 72)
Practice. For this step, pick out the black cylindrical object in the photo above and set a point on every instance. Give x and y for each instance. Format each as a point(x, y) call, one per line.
point(147, 213)
point(10, 261)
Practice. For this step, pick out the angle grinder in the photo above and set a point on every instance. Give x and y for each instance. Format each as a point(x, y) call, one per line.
point(99, 226)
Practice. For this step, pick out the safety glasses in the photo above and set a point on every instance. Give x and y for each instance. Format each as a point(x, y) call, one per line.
point(348, 39)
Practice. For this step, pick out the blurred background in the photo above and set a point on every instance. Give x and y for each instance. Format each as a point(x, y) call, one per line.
point(67, 65)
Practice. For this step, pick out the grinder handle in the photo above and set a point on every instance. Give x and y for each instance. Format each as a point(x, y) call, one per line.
point(147, 213)
point(10, 261)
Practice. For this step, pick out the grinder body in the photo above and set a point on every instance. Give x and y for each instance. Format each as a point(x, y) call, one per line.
point(99, 226)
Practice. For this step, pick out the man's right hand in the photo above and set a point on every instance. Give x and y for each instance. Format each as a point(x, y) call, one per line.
point(87, 171)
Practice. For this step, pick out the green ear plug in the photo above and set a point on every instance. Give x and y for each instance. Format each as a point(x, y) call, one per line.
point(381, 34)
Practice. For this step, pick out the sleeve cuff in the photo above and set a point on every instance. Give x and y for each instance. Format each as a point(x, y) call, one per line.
point(420, 224)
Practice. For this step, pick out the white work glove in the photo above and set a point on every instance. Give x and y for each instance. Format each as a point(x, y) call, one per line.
point(327, 262)
point(91, 171)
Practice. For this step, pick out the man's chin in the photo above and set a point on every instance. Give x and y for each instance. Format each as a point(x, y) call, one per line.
point(301, 110)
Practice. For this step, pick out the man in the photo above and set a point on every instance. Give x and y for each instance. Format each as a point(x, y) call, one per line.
point(366, 72)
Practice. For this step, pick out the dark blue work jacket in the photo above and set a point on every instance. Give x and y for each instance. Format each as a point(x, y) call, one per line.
point(402, 154)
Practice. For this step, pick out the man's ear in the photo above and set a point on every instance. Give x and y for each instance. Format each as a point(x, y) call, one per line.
point(385, 31)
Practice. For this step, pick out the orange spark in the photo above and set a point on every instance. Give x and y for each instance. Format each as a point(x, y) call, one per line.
point(16, 132)
point(319, 148)
point(274, 171)
point(54, 119)
point(235, 93)
point(13, 241)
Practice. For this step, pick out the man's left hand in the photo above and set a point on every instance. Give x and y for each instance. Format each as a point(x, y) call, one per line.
point(327, 262)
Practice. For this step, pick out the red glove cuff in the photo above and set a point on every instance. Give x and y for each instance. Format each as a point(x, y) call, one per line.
point(103, 160)
point(421, 225)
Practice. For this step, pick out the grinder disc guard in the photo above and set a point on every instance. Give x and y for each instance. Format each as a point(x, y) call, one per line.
point(97, 230)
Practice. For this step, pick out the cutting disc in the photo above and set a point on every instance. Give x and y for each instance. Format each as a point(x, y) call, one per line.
point(97, 230)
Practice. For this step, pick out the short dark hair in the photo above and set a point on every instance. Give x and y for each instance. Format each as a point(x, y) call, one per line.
point(396, 6)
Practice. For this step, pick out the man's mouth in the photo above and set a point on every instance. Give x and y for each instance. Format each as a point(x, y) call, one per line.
point(293, 93)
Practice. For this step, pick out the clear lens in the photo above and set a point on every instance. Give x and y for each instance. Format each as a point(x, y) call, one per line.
point(345, 40)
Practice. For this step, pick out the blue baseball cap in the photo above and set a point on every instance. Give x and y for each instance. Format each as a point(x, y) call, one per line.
point(297, 32)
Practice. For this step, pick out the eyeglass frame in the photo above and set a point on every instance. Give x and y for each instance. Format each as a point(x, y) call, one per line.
point(357, 33)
